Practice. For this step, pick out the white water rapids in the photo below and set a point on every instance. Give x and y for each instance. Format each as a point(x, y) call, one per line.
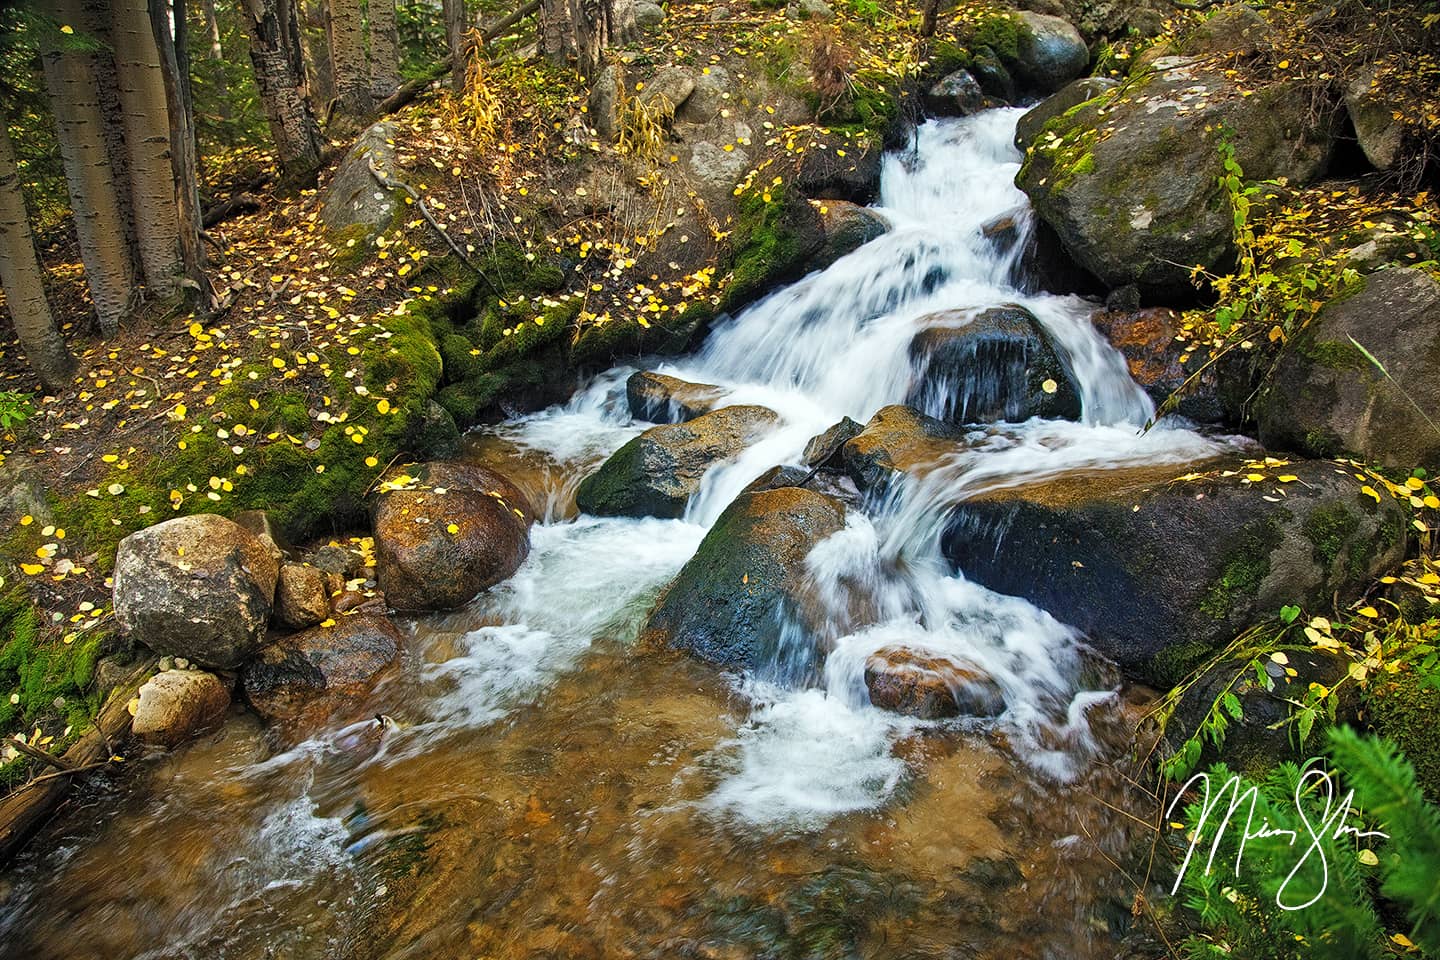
point(836, 344)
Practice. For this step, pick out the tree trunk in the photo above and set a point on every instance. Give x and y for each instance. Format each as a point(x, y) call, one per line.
point(24, 282)
point(578, 30)
point(345, 30)
point(183, 166)
point(99, 223)
point(147, 142)
point(384, 50)
point(107, 81)
point(216, 54)
point(280, 75)
point(927, 23)
point(453, 12)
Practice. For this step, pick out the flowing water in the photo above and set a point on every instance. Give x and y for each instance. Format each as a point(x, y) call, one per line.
point(552, 791)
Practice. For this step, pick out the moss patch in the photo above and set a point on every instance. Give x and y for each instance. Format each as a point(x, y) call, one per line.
point(1407, 711)
point(1246, 566)
point(1327, 528)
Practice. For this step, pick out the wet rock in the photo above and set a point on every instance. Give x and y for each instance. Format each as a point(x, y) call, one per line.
point(825, 175)
point(656, 474)
point(1263, 735)
point(658, 398)
point(361, 601)
point(1160, 572)
point(1051, 52)
point(846, 227)
point(744, 588)
point(787, 475)
point(955, 95)
point(897, 439)
point(199, 587)
point(301, 597)
point(1161, 365)
point(318, 675)
point(991, 73)
point(177, 704)
point(826, 448)
point(997, 364)
point(446, 533)
point(354, 197)
point(1131, 184)
point(1326, 398)
point(1028, 127)
point(929, 687)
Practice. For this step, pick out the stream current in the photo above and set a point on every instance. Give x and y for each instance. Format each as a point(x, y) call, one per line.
point(551, 792)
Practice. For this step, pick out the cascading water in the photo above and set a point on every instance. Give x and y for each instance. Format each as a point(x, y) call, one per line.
point(532, 687)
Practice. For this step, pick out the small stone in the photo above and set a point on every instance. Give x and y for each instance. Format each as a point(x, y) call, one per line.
point(181, 663)
point(176, 704)
point(167, 663)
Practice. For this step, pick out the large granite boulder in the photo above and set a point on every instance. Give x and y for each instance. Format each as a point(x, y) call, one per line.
point(656, 474)
point(354, 197)
point(445, 531)
point(1051, 52)
point(997, 364)
point(740, 602)
point(1130, 179)
point(1160, 572)
point(199, 587)
point(321, 674)
point(1326, 397)
point(1067, 98)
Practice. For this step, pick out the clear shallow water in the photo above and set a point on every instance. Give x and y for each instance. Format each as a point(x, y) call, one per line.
point(552, 790)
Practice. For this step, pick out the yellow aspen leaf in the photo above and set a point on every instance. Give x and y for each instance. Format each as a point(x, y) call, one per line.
point(32, 569)
point(1369, 491)
point(383, 406)
point(1370, 612)
point(1368, 858)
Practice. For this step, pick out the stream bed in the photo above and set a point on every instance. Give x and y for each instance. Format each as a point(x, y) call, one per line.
point(548, 789)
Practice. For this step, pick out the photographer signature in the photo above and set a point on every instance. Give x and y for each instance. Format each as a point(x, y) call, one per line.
point(1331, 825)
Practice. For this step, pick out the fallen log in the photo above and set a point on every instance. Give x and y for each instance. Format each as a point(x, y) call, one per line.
point(26, 810)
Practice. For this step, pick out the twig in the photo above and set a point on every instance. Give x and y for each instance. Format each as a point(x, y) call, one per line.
point(390, 183)
point(38, 754)
point(84, 767)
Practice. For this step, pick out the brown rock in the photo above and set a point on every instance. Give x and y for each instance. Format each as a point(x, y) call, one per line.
point(898, 439)
point(920, 685)
point(321, 674)
point(199, 587)
point(176, 704)
point(658, 398)
point(447, 533)
point(301, 597)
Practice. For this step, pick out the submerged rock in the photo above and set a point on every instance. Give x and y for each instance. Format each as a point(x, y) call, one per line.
point(998, 364)
point(929, 687)
point(897, 439)
point(740, 601)
point(1130, 181)
point(663, 399)
point(1161, 365)
point(656, 474)
point(199, 587)
point(177, 704)
point(446, 533)
point(318, 675)
point(1160, 572)
point(1326, 398)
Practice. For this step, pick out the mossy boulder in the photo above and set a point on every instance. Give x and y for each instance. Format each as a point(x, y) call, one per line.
point(446, 531)
point(656, 474)
point(1028, 127)
point(740, 601)
point(1326, 398)
point(1159, 572)
point(199, 587)
point(321, 674)
point(658, 398)
point(773, 243)
point(1162, 365)
point(1130, 179)
point(991, 365)
point(898, 439)
point(1049, 52)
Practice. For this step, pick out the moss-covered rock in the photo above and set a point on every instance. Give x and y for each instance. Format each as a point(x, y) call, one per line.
point(742, 593)
point(1160, 572)
point(773, 242)
point(1406, 709)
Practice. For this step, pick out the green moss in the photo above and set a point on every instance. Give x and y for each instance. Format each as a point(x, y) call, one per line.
point(1323, 443)
point(1332, 354)
point(352, 247)
point(1173, 664)
point(1328, 528)
point(1245, 567)
point(610, 491)
point(1001, 32)
point(1407, 710)
point(765, 243)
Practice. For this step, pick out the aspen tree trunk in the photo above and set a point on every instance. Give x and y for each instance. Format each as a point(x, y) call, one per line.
point(345, 30)
point(279, 63)
point(107, 82)
point(24, 282)
point(147, 140)
point(384, 49)
point(170, 37)
point(216, 55)
point(453, 12)
point(579, 30)
point(99, 224)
